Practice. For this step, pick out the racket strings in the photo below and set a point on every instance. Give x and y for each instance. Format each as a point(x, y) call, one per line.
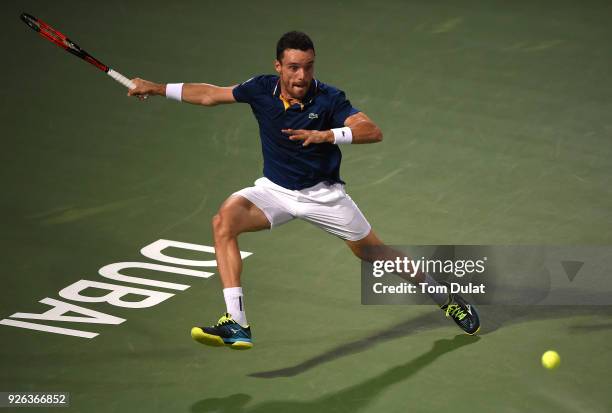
point(56, 37)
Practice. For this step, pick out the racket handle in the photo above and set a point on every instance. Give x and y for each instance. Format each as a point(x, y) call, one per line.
point(121, 79)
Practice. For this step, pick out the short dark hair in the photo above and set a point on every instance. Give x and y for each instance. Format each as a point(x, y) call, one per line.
point(293, 40)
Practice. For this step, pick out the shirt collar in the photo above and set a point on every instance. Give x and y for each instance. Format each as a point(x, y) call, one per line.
point(312, 91)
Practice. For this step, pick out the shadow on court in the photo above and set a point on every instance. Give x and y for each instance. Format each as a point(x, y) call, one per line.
point(353, 399)
point(492, 319)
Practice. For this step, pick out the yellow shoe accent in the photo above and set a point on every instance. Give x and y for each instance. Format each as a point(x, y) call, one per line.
point(208, 339)
point(241, 345)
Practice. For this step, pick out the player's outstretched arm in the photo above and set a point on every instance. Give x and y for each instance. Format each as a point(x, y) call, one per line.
point(194, 93)
point(363, 130)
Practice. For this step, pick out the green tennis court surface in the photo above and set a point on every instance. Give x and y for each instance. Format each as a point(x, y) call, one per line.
point(496, 118)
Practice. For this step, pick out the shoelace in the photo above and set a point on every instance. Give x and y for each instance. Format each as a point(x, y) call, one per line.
point(455, 311)
point(224, 320)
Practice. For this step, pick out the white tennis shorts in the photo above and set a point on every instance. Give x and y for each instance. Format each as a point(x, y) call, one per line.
point(327, 206)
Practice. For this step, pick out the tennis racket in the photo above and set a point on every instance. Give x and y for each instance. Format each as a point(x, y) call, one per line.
point(54, 36)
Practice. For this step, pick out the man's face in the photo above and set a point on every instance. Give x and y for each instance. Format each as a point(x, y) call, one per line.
point(296, 70)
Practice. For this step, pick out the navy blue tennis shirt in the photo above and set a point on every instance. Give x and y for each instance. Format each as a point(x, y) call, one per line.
point(287, 163)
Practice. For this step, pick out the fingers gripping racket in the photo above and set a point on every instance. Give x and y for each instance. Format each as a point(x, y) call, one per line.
point(51, 34)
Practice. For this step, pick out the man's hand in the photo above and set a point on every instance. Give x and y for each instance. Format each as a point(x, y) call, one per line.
point(309, 136)
point(145, 88)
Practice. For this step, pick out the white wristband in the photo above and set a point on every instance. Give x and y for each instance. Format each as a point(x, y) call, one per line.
point(342, 135)
point(174, 91)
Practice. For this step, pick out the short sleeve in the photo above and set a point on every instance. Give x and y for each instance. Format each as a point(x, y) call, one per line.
point(342, 109)
point(247, 90)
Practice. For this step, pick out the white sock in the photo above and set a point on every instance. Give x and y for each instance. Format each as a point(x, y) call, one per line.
point(234, 301)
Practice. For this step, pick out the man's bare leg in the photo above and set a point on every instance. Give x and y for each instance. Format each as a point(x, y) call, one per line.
point(235, 216)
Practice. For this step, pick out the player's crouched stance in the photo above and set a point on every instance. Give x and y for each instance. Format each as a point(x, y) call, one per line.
point(302, 123)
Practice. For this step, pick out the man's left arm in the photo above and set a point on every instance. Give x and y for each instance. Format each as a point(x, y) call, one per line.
point(362, 129)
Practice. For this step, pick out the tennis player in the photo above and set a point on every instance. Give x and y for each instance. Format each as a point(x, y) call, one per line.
point(302, 123)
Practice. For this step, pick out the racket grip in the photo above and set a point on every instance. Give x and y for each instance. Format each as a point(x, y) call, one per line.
point(121, 79)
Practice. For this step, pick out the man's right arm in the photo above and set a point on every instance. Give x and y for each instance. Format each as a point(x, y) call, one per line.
point(194, 93)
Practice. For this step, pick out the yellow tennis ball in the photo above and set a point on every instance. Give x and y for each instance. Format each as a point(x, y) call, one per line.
point(551, 359)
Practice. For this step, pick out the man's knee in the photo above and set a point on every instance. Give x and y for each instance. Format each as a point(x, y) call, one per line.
point(366, 251)
point(371, 248)
point(222, 224)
